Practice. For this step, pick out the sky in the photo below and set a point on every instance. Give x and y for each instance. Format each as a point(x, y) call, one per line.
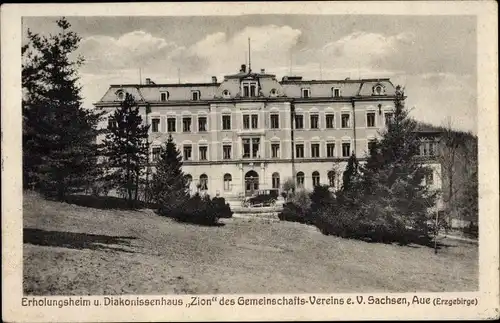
point(432, 57)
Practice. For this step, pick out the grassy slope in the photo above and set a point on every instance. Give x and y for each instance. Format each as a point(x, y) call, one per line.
point(72, 250)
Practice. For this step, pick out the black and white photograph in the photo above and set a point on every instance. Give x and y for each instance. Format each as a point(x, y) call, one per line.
point(230, 158)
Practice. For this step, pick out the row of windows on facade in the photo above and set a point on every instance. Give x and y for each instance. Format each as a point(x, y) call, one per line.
point(251, 149)
point(275, 180)
point(254, 182)
point(248, 89)
point(251, 121)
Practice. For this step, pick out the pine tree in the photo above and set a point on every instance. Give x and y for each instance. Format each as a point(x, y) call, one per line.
point(126, 148)
point(169, 185)
point(59, 135)
point(395, 196)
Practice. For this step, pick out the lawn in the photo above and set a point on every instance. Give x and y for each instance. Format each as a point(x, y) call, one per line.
point(77, 250)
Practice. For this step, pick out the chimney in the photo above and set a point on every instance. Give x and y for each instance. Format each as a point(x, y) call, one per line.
point(148, 80)
point(262, 71)
point(214, 79)
point(243, 68)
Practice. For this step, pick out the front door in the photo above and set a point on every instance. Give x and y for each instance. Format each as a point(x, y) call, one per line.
point(251, 183)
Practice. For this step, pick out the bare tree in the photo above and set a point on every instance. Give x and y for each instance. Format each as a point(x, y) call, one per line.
point(458, 159)
point(447, 158)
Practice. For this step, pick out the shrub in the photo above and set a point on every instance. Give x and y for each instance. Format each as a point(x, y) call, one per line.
point(337, 221)
point(293, 213)
point(321, 197)
point(198, 210)
point(298, 209)
point(222, 208)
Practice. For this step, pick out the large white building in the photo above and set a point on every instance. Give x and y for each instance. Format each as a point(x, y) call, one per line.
point(252, 131)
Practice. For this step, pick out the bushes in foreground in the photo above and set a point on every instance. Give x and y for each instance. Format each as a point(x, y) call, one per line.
point(199, 210)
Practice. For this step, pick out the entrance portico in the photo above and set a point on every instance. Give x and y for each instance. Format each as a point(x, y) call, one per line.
point(251, 182)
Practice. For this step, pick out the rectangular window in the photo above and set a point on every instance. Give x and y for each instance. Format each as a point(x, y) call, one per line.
point(346, 149)
point(249, 88)
point(171, 124)
point(429, 178)
point(226, 151)
point(186, 124)
point(370, 119)
point(427, 148)
point(155, 125)
point(226, 122)
point(253, 90)
point(306, 93)
point(275, 121)
point(330, 150)
point(251, 147)
point(255, 121)
point(330, 121)
point(432, 149)
point(186, 152)
point(299, 151)
point(112, 123)
point(246, 121)
point(195, 95)
point(203, 152)
point(156, 153)
point(336, 93)
point(246, 148)
point(163, 96)
point(388, 118)
point(314, 121)
point(346, 120)
point(255, 147)
point(299, 121)
point(202, 124)
point(315, 150)
point(275, 150)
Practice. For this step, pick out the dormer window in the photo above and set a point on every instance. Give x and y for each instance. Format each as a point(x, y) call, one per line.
point(120, 95)
point(164, 96)
point(336, 92)
point(226, 94)
point(273, 92)
point(195, 95)
point(306, 93)
point(249, 88)
point(378, 89)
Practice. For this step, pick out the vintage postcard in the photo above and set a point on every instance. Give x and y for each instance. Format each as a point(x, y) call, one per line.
point(250, 161)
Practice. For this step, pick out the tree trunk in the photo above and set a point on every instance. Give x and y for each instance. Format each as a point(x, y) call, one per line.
point(129, 186)
point(450, 187)
point(60, 192)
point(136, 185)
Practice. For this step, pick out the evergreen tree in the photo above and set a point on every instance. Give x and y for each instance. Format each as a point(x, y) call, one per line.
point(169, 185)
point(126, 148)
point(321, 198)
point(59, 135)
point(395, 196)
point(350, 174)
point(350, 193)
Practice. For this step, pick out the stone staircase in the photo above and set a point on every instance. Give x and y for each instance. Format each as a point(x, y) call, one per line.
point(263, 212)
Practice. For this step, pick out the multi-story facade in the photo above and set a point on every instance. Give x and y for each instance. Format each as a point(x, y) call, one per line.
point(252, 131)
